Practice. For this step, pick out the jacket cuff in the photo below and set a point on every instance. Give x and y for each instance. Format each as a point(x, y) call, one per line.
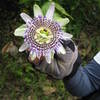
point(75, 68)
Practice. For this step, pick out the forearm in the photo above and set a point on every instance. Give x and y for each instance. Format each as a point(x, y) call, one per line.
point(79, 84)
point(85, 81)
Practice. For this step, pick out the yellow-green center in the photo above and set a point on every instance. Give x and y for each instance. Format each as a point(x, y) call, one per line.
point(43, 35)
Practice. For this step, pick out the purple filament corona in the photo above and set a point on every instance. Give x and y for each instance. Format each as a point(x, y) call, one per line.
point(35, 24)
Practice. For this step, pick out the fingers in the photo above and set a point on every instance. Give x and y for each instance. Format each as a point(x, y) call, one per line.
point(51, 69)
point(70, 44)
point(36, 61)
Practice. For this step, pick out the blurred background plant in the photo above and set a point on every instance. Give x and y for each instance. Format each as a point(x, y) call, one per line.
point(18, 80)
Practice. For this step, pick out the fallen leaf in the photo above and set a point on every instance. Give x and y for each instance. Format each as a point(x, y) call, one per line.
point(10, 48)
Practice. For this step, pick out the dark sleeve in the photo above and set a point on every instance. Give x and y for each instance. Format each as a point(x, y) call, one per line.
point(85, 81)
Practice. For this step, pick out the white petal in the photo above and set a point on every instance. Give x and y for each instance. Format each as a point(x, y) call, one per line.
point(62, 21)
point(23, 47)
point(26, 18)
point(38, 55)
point(50, 11)
point(65, 36)
point(61, 50)
point(32, 55)
point(20, 30)
point(48, 57)
point(52, 54)
point(37, 11)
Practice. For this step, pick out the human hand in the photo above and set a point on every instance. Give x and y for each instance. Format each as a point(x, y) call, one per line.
point(61, 65)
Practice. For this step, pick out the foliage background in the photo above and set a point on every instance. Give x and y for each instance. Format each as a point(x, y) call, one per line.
point(18, 80)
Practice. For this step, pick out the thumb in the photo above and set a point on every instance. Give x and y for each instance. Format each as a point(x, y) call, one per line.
point(69, 43)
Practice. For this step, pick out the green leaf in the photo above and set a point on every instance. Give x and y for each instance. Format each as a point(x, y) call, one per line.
point(27, 80)
point(58, 7)
point(62, 21)
point(45, 7)
point(20, 30)
point(23, 1)
point(56, 16)
point(62, 10)
point(64, 28)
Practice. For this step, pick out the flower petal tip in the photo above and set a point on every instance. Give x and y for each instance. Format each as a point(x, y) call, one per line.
point(50, 11)
point(20, 50)
point(53, 3)
point(25, 17)
point(22, 14)
point(61, 50)
point(37, 10)
point(48, 58)
point(70, 36)
point(67, 20)
point(48, 61)
point(23, 47)
point(20, 30)
point(66, 36)
point(32, 56)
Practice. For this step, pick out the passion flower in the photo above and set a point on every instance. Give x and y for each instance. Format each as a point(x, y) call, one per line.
point(42, 35)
